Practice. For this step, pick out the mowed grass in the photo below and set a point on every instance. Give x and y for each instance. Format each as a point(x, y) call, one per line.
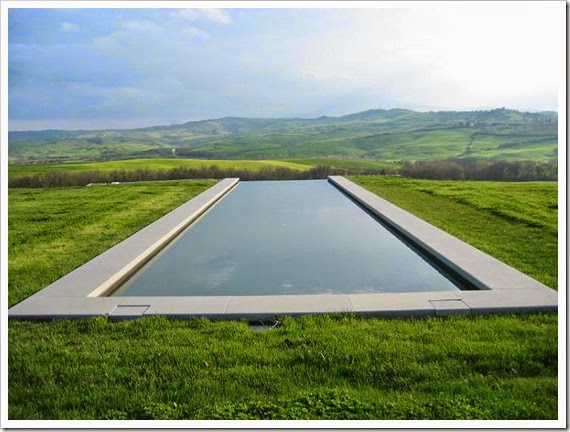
point(515, 222)
point(18, 170)
point(53, 231)
point(316, 367)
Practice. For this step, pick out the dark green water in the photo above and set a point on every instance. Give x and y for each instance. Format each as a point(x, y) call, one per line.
point(286, 237)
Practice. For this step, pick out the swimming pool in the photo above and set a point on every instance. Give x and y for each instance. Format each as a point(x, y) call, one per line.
point(84, 292)
point(281, 238)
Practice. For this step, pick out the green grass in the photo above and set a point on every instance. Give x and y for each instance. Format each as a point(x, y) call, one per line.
point(418, 145)
point(18, 170)
point(514, 222)
point(513, 148)
point(357, 164)
point(51, 232)
point(316, 367)
point(321, 367)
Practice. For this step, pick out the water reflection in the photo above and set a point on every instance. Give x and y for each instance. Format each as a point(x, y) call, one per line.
point(287, 237)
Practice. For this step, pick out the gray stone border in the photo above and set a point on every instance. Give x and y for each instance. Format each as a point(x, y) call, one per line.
point(77, 295)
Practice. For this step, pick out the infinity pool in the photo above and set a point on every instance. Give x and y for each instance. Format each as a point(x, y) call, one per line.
point(285, 237)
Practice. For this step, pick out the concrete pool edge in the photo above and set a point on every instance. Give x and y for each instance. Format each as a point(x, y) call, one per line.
point(75, 295)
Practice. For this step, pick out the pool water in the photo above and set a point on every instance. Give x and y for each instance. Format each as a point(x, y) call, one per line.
point(285, 237)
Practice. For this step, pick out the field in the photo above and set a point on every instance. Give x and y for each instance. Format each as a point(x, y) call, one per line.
point(317, 367)
point(18, 170)
point(351, 164)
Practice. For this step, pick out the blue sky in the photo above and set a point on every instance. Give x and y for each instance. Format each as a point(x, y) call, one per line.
point(99, 68)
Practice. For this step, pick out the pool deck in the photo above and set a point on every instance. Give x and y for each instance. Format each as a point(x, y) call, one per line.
point(501, 289)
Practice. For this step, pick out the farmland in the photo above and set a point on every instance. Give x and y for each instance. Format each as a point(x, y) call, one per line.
point(388, 135)
point(18, 170)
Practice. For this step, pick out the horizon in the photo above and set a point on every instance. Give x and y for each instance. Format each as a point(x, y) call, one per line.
point(112, 68)
point(289, 118)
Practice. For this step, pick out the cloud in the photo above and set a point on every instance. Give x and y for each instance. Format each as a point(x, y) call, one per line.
point(441, 58)
point(169, 66)
point(142, 26)
point(67, 27)
point(220, 16)
point(194, 32)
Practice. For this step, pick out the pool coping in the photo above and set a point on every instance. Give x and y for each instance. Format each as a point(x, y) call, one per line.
point(502, 289)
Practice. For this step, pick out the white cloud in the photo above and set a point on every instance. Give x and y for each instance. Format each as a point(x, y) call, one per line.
point(69, 27)
point(194, 32)
point(146, 26)
point(210, 15)
point(442, 58)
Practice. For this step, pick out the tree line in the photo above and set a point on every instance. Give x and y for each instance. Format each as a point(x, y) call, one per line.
point(66, 179)
point(474, 169)
point(453, 169)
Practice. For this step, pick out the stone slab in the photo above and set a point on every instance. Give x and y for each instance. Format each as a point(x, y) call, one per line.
point(184, 307)
point(398, 304)
point(510, 301)
point(450, 307)
point(63, 307)
point(264, 307)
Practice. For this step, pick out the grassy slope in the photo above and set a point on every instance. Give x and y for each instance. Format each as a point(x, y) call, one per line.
point(405, 145)
point(314, 367)
point(17, 170)
point(394, 134)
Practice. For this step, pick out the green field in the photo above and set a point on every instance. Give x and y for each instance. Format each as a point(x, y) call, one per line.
point(18, 170)
point(394, 134)
point(317, 367)
point(351, 164)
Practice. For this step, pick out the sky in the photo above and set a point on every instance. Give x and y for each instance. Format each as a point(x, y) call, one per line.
point(95, 68)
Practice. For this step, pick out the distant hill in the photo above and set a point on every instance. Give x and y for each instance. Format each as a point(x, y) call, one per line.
point(395, 134)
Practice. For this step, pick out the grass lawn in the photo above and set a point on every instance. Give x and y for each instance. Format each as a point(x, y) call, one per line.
point(315, 367)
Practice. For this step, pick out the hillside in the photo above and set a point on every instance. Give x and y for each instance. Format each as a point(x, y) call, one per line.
point(395, 134)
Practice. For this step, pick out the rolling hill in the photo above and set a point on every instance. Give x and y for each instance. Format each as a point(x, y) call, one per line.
point(395, 134)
